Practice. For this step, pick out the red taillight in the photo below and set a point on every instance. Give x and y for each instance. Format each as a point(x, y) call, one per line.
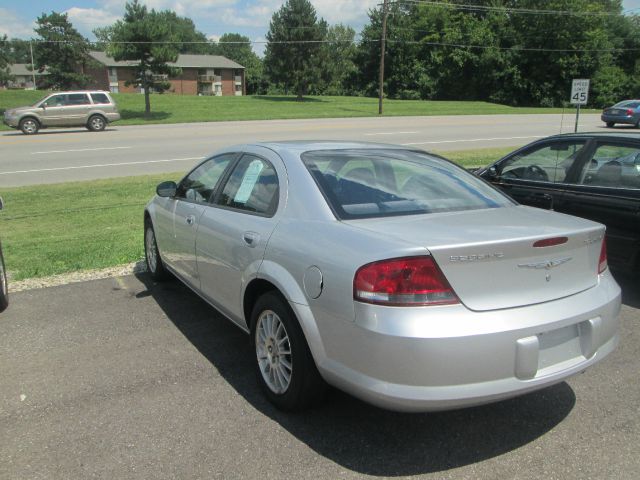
point(550, 242)
point(403, 281)
point(602, 262)
point(629, 112)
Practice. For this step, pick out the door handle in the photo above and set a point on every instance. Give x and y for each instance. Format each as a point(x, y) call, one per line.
point(190, 219)
point(251, 238)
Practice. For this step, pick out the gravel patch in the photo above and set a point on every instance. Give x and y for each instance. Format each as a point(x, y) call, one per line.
point(75, 277)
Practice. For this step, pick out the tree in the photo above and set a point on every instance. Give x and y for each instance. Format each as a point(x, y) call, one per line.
point(237, 47)
point(18, 51)
point(442, 51)
point(5, 60)
point(184, 31)
point(62, 51)
point(294, 52)
point(144, 37)
point(340, 67)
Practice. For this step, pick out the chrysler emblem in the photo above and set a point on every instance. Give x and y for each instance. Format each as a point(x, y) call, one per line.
point(546, 265)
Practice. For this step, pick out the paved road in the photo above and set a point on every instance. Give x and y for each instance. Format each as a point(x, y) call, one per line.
point(65, 155)
point(121, 378)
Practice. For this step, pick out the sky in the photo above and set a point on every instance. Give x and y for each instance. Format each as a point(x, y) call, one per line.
point(212, 17)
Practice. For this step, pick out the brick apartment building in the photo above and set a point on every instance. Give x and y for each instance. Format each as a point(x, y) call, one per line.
point(201, 75)
point(23, 77)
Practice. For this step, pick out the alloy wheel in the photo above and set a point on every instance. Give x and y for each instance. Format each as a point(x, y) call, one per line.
point(151, 250)
point(273, 350)
point(97, 123)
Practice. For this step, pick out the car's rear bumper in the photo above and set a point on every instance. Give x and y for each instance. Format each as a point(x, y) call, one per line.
point(113, 117)
point(625, 119)
point(435, 358)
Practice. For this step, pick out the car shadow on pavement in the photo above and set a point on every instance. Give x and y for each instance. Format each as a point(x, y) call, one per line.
point(630, 285)
point(138, 115)
point(353, 434)
point(57, 132)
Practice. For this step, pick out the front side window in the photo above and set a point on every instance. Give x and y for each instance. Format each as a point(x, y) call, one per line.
point(549, 163)
point(252, 187)
point(199, 186)
point(379, 183)
point(612, 166)
point(56, 101)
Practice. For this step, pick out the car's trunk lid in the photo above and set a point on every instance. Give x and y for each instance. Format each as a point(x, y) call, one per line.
point(489, 258)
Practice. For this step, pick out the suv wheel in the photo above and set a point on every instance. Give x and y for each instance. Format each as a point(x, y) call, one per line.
point(29, 126)
point(96, 123)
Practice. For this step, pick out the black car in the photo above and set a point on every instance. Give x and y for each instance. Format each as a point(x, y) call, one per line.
point(4, 289)
point(590, 175)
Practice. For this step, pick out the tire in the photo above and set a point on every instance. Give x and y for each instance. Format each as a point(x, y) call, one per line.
point(29, 126)
point(285, 369)
point(4, 286)
point(96, 123)
point(610, 124)
point(152, 257)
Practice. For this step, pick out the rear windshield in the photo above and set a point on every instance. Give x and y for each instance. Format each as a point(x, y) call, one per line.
point(628, 104)
point(379, 183)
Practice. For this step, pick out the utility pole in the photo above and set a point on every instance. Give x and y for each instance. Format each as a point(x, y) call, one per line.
point(383, 41)
point(33, 67)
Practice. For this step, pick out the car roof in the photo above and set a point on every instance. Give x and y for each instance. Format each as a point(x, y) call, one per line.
point(78, 91)
point(621, 134)
point(301, 146)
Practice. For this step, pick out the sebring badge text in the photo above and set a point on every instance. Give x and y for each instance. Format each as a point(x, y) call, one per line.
point(475, 258)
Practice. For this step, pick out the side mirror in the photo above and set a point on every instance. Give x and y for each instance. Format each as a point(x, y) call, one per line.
point(167, 189)
point(491, 173)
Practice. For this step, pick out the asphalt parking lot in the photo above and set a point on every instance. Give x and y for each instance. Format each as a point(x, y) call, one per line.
point(122, 378)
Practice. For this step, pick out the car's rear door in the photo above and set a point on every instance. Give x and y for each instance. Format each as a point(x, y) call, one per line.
point(76, 109)
point(536, 175)
point(606, 189)
point(233, 234)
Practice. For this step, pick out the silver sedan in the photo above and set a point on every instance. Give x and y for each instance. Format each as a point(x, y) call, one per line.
point(389, 273)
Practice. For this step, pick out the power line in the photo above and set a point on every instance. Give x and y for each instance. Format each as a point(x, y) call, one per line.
point(516, 48)
point(524, 11)
point(407, 42)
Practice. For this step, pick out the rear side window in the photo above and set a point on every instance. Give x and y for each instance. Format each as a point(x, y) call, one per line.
point(77, 99)
point(99, 98)
point(612, 165)
point(380, 183)
point(252, 187)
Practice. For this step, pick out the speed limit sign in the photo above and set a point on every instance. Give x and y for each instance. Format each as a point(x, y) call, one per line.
point(579, 91)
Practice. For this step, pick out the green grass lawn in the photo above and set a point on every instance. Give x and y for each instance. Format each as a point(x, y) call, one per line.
point(190, 108)
point(51, 229)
